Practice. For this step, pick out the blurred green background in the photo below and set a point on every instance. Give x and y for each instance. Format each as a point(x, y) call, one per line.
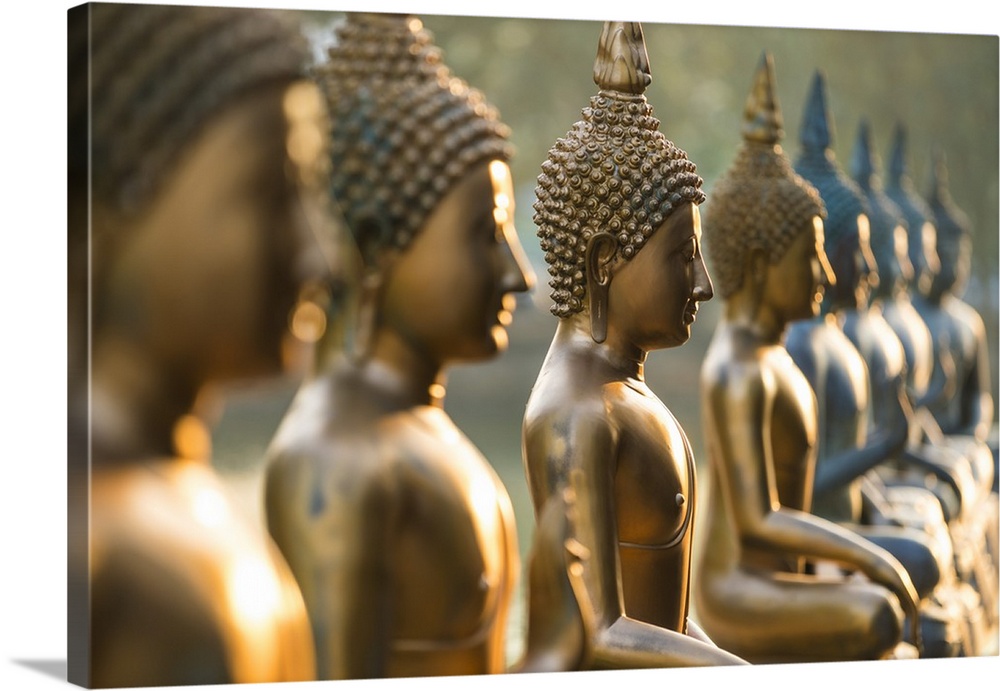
point(538, 73)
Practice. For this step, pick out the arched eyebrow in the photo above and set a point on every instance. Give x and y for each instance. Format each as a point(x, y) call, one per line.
point(685, 243)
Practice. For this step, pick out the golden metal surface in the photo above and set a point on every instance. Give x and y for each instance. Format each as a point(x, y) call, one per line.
point(399, 532)
point(755, 594)
point(199, 243)
point(602, 454)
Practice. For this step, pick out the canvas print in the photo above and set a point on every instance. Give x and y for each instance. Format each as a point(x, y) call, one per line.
point(408, 346)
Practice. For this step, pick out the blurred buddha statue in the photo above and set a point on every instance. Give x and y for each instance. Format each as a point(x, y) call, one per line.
point(930, 359)
point(194, 138)
point(757, 592)
point(617, 212)
point(891, 326)
point(863, 414)
point(919, 465)
point(400, 533)
point(964, 408)
point(955, 326)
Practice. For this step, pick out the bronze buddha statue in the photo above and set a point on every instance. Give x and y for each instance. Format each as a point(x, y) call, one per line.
point(915, 255)
point(756, 593)
point(964, 413)
point(891, 325)
point(969, 410)
point(936, 383)
point(189, 139)
point(400, 533)
point(890, 308)
point(864, 413)
point(831, 363)
point(618, 220)
point(919, 465)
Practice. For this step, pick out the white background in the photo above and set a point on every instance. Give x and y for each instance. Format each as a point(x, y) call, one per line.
point(33, 318)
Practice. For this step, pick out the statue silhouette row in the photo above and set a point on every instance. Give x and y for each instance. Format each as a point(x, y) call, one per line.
point(249, 212)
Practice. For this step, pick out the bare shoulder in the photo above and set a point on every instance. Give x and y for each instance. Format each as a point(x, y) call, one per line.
point(734, 363)
point(968, 316)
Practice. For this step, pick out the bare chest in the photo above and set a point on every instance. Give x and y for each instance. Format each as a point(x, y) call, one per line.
point(654, 476)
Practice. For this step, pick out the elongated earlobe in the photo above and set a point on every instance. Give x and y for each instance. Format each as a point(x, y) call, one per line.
point(756, 268)
point(369, 296)
point(371, 237)
point(600, 252)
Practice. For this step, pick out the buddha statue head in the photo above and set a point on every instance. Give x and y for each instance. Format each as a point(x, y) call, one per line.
point(760, 211)
point(608, 188)
point(846, 227)
point(197, 140)
point(885, 219)
point(920, 231)
point(954, 234)
point(420, 171)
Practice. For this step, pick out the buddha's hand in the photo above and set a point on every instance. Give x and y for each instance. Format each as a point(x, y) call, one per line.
point(893, 576)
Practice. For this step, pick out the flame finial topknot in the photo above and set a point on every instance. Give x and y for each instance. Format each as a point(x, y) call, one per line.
point(622, 63)
point(863, 159)
point(762, 114)
point(817, 125)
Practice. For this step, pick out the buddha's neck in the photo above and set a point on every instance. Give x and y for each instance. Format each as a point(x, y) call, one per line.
point(134, 404)
point(621, 356)
point(401, 371)
point(745, 312)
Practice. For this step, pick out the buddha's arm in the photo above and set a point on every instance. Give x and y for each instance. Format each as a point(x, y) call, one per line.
point(946, 465)
point(842, 468)
point(150, 628)
point(339, 556)
point(512, 569)
point(351, 607)
point(942, 380)
point(741, 411)
point(977, 402)
point(939, 462)
point(589, 444)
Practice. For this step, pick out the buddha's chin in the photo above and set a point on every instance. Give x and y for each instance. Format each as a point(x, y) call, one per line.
point(493, 342)
point(498, 340)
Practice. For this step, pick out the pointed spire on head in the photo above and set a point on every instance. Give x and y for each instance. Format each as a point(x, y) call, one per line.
point(614, 172)
point(951, 221)
point(863, 162)
point(843, 198)
point(622, 63)
point(762, 114)
point(884, 215)
point(899, 188)
point(897, 162)
point(938, 187)
point(817, 125)
point(759, 202)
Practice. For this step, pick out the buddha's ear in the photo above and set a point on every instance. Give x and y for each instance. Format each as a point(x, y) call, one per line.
point(377, 257)
point(600, 254)
point(373, 241)
point(756, 269)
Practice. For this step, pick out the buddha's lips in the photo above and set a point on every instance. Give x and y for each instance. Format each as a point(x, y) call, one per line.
point(505, 311)
point(690, 313)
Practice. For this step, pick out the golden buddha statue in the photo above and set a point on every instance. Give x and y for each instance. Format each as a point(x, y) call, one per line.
point(863, 412)
point(399, 532)
point(617, 212)
point(190, 133)
point(757, 593)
